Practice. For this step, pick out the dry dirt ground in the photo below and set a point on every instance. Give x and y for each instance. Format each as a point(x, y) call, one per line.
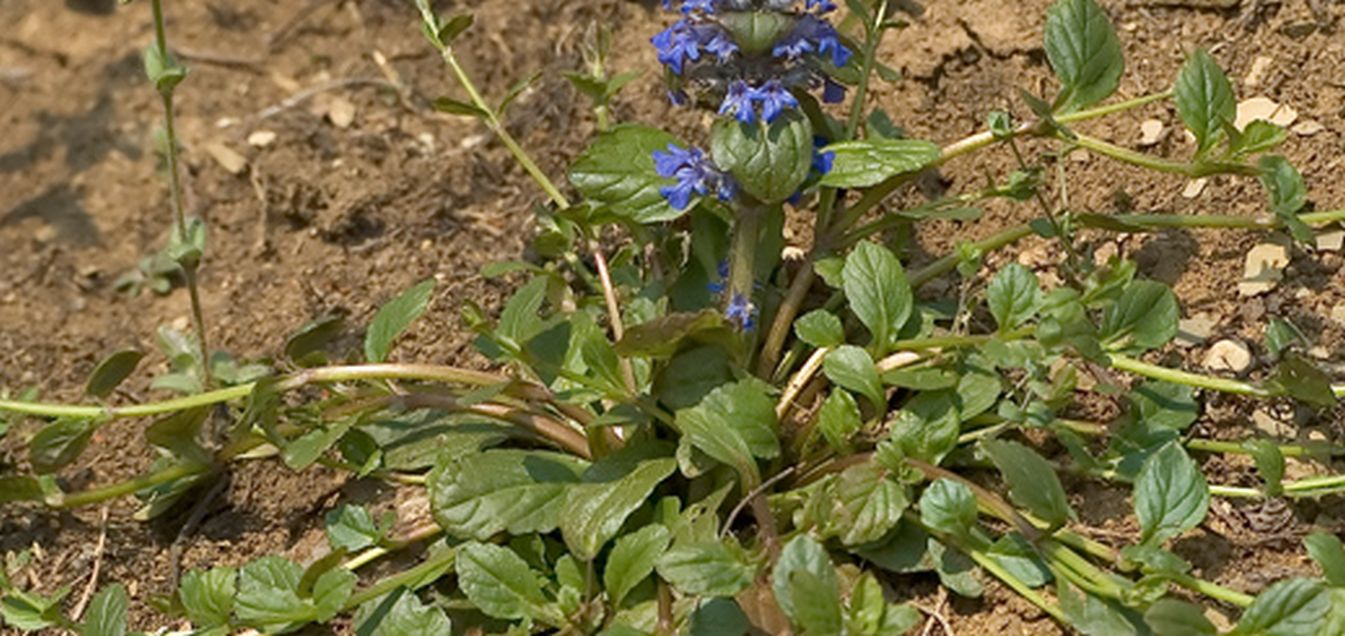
point(336, 218)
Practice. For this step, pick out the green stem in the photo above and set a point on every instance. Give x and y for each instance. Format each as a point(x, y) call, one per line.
point(410, 579)
point(985, 139)
point(742, 263)
point(189, 270)
point(492, 120)
point(129, 487)
point(1175, 376)
point(424, 533)
point(948, 263)
point(1126, 155)
point(428, 373)
point(1212, 590)
point(1287, 450)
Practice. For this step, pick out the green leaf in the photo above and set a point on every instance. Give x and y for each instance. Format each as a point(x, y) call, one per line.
point(769, 161)
point(1326, 550)
point(307, 343)
point(1171, 496)
point(163, 70)
point(594, 513)
point(864, 504)
point(1144, 317)
point(1094, 616)
point(860, 164)
point(691, 375)
point(1204, 99)
point(708, 568)
point(632, 559)
point(268, 597)
point(1170, 616)
point(106, 613)
point(1084, 51)
point(618, 170)
point(1269, 463)
point(400, 613)
point(1017, 556)
point(1014, 296)
point(352, 528)
point(949, 507)
point(820, 328)
point(111, 372)
point(839, 419)
point(32, 612)
point(1258, 136)
point(500, 583)
point(451, 106)
point(1165, 404)
point(1293, 607)
point(1299, 378)
point(661, 337)
point(14, 489)
point(817, 603)
point(718, 617)
point(331, 591)
point(878, 292)
point(802, 554)
point(734, 424)
point(756, 32)
point(393, 318)
point(927, 426)
point(480, 495)
point(851, 368)
point(519, 321)
point(59, 444)
point(1032, 481)
point(1288, 195)
point(208, 596)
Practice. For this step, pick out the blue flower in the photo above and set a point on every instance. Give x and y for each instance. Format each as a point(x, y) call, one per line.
point(741, 312)
point(738, 101)
point(676, 45)
point(813, 35)
point(832, 91)
point(679, 97)
point(716, 40)
point(694, 173)
point(822, 6)
point(822, 161)
point(774, 99)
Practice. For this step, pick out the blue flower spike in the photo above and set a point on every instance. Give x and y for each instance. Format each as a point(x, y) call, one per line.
point(708, 58)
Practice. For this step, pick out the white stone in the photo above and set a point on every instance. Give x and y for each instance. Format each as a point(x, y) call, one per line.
point(1331, 241)
point(1250, 110)
point(341, 112)
point(1338, 314)
point(1228, 355)
point(1308, 128)
point(1151, 132)
point(1264, 269)
point(262, 138)
point(1195, 188)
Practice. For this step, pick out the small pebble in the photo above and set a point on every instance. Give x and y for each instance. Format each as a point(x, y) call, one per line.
point(1250, 110)
point(1264, 269)
point(1151, 132)
point(261, 138)
point(1331, 241)
point(1308, 128)
point(1258, 71)
point(1228, 355)
point(1195, 188)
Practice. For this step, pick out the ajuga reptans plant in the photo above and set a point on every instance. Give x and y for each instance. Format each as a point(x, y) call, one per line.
point(686, 433)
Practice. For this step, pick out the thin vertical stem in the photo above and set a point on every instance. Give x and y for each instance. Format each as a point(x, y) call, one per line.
point(189, 269)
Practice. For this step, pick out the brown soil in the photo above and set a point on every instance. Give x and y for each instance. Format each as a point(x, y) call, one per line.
point(335, 220)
